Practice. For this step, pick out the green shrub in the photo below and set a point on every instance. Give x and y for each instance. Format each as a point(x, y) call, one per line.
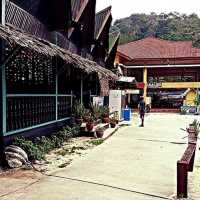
point(78, 110)
point(40, 146)
point(32, 150)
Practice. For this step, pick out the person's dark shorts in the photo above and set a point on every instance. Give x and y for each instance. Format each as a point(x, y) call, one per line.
point(142, 115)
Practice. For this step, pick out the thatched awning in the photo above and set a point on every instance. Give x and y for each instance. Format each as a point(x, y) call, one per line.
point(15, 36)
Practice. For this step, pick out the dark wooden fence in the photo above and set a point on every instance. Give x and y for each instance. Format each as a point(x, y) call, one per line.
point(185, 165)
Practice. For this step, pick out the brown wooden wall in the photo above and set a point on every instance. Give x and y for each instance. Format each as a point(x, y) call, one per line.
point(54, 14)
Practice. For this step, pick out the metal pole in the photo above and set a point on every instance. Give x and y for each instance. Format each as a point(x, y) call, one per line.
point(2, 85)
point(71, 99)
point(56, 94)
point(56, 65)
point(3, 78)
point(81, 88)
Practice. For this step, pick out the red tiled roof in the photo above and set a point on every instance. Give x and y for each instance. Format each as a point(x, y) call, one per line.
point(153, 48)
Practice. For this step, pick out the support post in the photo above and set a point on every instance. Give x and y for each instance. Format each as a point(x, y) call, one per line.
point(2, 85)
point(81, 88)
point(182, 180)
point(56, 66)
point(71, 99)
point(145, 82)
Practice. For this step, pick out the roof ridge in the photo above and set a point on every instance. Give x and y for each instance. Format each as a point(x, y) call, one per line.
point(157, 38)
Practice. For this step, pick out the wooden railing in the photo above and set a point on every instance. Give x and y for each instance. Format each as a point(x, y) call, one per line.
point(185, 165)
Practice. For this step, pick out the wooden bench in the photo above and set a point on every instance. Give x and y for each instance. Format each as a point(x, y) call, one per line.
point(184, 166)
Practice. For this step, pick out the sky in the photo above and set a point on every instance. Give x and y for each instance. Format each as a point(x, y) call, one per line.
point(124, 8)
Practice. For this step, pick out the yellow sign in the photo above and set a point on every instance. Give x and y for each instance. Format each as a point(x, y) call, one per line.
point(180, 85)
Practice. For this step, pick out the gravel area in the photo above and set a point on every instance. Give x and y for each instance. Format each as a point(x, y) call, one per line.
point(58, 158)
point(62, 157)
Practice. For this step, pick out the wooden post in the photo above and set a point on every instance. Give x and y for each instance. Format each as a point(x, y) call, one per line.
point(182, 179)
point(145, 83)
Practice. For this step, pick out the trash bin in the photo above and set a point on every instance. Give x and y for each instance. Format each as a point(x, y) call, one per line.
point(127, 114)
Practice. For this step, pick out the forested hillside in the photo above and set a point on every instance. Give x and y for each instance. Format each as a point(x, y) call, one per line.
point(171, 26)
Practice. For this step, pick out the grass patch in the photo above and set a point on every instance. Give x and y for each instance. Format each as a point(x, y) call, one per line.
point(96, 142)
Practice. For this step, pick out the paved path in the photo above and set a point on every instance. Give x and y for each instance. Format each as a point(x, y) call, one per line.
point(135, 163)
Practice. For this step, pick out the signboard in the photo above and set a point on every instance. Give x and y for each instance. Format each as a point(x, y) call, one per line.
point(115, 101)
point(132, 91)
point(98, 101)
point(154, 85)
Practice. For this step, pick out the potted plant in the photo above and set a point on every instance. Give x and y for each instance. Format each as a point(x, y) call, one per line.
point(87, 116)
point(96, 111)
point(193, 132)
point(112, 122)
point(90, 124)
point(105, 114)
point(99, 132)
point(78, 112)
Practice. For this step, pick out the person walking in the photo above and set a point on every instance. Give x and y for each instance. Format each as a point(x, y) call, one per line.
point(141, 107)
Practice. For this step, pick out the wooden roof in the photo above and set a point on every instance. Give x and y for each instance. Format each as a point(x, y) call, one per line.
point(113, 44)
point(78, 7)
point(17, 37)
point(113, 39)
point(54, 14)
point(154, 48)
point(100, 21)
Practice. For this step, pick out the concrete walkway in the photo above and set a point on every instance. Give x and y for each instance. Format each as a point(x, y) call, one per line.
point(135, 163)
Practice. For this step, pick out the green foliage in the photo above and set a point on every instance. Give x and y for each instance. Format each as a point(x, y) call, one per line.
point(78, 109)
point(171, 26)
point(195, 123)
point(98, 112)
point(40, 146)
point(104, 111)
point(96, 142)
point(33, 151)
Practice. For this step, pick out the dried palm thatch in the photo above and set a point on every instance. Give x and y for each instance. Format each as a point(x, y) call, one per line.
point(15, 36)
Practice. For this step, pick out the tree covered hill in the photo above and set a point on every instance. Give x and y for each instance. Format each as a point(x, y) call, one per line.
point(171, 26)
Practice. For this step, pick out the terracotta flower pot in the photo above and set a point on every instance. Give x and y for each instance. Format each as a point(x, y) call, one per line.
point(106, 120)
point(90, 126)
point(99, 133)
point(112, 125)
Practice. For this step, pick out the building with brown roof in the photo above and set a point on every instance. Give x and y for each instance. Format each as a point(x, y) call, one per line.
point(47, 63)
point(163, 69)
